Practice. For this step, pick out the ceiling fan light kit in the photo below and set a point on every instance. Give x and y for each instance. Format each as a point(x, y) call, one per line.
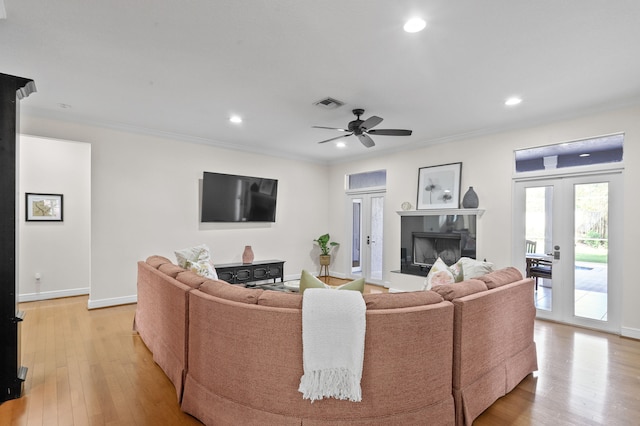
point(363, 128)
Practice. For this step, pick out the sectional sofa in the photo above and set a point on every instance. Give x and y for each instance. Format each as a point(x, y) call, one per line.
point(234, 354)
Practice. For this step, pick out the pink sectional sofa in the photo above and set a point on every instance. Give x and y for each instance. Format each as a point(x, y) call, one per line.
point(493, 347)
point(234, 354)
point(162, 314)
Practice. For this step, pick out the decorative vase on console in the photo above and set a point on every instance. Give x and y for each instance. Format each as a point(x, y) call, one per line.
point(470, 199)
point(247, 255)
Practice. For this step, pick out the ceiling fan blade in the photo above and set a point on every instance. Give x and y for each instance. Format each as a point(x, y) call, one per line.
point(390, 132)
point(366, 140)
point(370, 122)
point(338, 137)
point(331, 128)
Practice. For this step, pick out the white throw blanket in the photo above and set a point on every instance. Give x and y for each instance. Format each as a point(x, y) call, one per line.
point(333, 329)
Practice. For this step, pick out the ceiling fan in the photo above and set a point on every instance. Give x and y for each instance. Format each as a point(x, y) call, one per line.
point(362, 129)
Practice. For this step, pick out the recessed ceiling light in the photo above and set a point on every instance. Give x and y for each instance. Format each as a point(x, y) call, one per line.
point(585, 155)
point(235, 119)
point(341, 144)
point(513, 101)
point(414, 25)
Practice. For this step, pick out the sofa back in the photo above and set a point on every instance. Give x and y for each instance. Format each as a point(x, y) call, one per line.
point(162, 314)
point(493, 346)
point(407, 361)
point(490, 326)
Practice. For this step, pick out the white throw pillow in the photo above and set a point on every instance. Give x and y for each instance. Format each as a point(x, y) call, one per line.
point(474, 268)
point(440, 274)
point(203, 268)
point(198, 260)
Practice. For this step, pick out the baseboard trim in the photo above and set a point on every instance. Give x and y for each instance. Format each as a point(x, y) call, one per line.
point(34, 297)
point(634, 333)
point(115, 301)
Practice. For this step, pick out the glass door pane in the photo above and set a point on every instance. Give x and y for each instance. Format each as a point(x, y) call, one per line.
point(367, 224)
point(538, 235)
point(375, 246)
point(591, 239)
point(356, 235)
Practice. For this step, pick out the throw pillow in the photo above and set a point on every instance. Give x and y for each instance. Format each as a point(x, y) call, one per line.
point(307, 280)
point(440, 274)
point(202, 268)
point(198, 260)
point(474, 268)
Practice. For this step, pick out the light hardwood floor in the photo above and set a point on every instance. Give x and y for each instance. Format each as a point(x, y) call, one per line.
point(87, 367)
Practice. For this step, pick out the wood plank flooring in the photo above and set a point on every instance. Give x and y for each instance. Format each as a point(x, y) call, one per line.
point(87, 367)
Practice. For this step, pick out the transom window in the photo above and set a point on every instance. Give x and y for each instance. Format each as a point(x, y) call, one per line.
point(367, 180)
point(600, 150)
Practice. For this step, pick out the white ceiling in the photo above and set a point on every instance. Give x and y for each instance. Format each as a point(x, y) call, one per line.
point(181, 68)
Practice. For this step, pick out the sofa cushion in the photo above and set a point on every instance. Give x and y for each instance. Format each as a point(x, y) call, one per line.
point(224, 290)
point(309, 281)
point(501, 277)
point(457, 290)
point(279, 299)
point(191, 279)
point(156, 261)
point(170, 269)
point(400, 300)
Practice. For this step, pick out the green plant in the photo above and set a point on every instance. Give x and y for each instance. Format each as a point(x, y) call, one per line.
point(325, 244)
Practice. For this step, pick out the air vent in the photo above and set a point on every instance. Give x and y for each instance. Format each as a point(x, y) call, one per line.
point(329, 103)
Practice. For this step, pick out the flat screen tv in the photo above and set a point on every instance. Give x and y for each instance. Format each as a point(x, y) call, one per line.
point(234, 198)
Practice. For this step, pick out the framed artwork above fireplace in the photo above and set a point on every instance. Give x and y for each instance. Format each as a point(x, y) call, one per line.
point(439, 187)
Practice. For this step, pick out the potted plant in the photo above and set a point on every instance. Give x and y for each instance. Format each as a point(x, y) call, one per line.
point(325, 248)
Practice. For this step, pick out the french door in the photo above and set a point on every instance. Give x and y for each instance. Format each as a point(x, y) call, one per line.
point(366, 212)
point(569, 231)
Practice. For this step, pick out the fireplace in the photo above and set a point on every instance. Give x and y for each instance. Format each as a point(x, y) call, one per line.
point(429, 246)
point(425, 238)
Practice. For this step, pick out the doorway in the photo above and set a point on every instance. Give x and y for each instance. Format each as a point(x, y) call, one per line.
point(567, 236)
point(366, 220)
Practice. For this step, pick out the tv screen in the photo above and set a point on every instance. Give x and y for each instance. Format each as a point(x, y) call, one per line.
point(234, 198)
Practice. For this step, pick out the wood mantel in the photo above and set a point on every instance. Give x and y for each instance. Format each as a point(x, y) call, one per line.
point(441, 212)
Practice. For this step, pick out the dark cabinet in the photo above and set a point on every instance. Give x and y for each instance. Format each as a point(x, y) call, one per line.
point(12, 374)
point(242, 273)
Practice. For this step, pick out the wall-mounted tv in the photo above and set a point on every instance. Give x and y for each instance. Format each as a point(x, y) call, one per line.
point(234, 198)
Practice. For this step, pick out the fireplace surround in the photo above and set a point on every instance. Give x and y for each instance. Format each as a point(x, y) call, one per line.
point(426, 235)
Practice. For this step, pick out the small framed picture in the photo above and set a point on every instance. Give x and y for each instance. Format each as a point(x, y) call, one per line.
point(43, 207)
point(439, 187)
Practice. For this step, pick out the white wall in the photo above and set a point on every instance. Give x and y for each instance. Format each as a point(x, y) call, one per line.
point(59, 251)
point(145, 200)
point(487, 166)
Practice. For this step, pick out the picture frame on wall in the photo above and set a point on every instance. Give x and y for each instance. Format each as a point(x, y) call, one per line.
point(43, 207)
point(439, 187)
